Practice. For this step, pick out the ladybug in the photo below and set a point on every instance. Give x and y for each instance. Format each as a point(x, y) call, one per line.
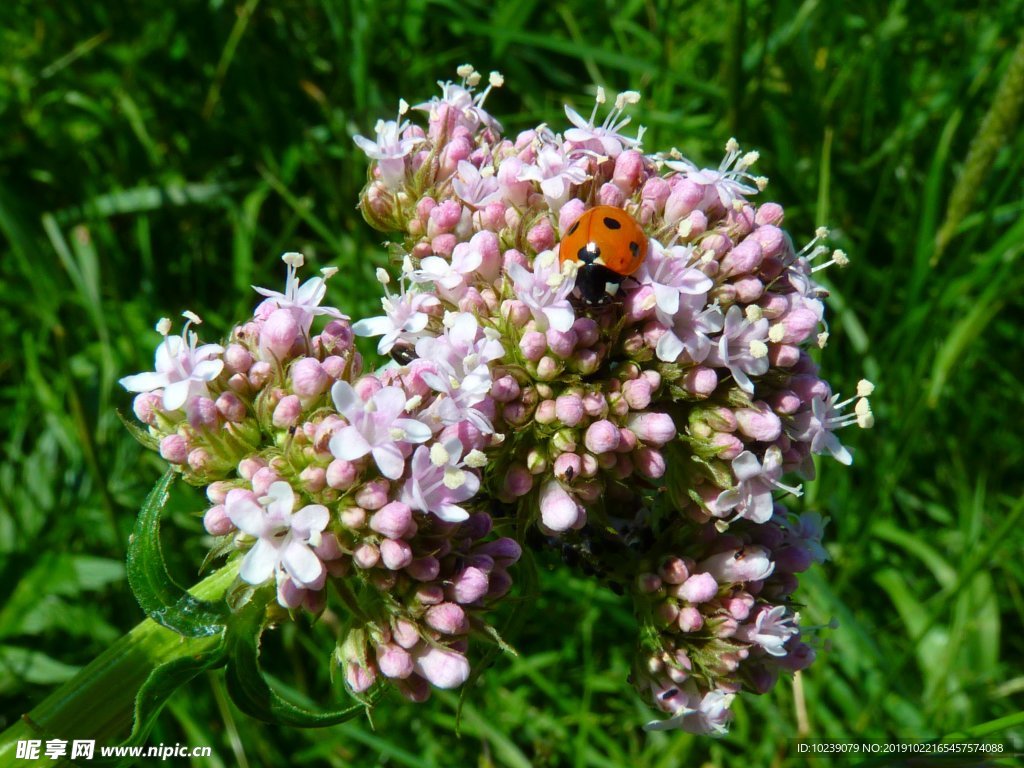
point(609, 245)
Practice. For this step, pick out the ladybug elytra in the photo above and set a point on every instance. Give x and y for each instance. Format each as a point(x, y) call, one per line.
point(609, 245)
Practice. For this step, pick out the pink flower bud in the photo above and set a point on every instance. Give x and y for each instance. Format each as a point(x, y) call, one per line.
point(602, 437)
point(366, 556)
point(609, 194)
point(558, 510)
point(146, 406)
point(595, 405)
point(666, 613)
point(699, 588)
point(512, 256)
point(587, 331)
point(313, 479)
point(629, 171)
point(405, 633)
point(700, 381)
point(392, 520)
point(237, 359)
point(770, 238)
point(249, 466)
point(561, 343)
point(373, 495)
point(568, 467)
point(278, 335)
point(569, 409)
point(697, 221)
point(751, 563)
point(394, 661)
point(650, 463)
point(674, 570)
point(202, 413)
point(690, 619)
point(541, 236)
point(728, 446)
point(545, 413)
point(655, 192)
point(337, 337)
point(309, 379)
point(174, 448)
point(287, 412)
point(259, 374)
point(395, 553)
point(358, 677)
point(353, 517)
point(518, 481)
point(685, 197)
point(424, 568)
point(637, 393)
point(652, 428)
point(769, 213)
point(230, 407)
point(748, 289)
point(548, 368)
point(783, 355)
point(568, 214)
point(744, 259)
point(447, 618)
point(444, 669)
point(341, 474)
point(759, 423)
point(586, 361)
point(469, 586)
point(216, 521)
point(533, 345)
point(505, 389)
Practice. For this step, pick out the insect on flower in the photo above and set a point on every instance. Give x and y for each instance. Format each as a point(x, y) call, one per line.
point(609, 245)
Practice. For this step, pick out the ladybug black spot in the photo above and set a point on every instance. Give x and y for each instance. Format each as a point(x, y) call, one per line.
point(612, 223)
point(573, 228)
point(634, 247)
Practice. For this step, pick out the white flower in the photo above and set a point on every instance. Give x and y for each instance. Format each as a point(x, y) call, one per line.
point(752, 496)
point(284, 540)
point(607, 137)
point(474, 187)
point(742, 348)
point(404, 319)
point(556, 172)
point(182, 369)
point(669, 272)
point(729, 182)
point(770, 630)
point(710, 716)
point(390, 149)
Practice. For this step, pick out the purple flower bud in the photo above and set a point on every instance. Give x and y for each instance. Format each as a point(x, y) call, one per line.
point(769, 213)
point(394, 661)
point(652, 428)
point(447, 618)
point(648, 583)
point(392, 520)
point(666, 613)
point(655, 192)
point(429, 594)
point(287, 412)
point(699, 588)
point(174, 448)
point(444, 669)
point(505, 551)
point(748, 289)
point(216, 521)
point(505, 389)
point(500, 584)
point(586, 361)
point(558, 510)
point(602, 437)
point(395, 553)
point(675, 570)
point(373, 495)
point(278, 335)
point(700, 381)
point(424, 568)
point(468, 586)
point(518, 481)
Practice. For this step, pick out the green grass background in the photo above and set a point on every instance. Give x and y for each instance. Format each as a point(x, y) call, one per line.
point(160, 156)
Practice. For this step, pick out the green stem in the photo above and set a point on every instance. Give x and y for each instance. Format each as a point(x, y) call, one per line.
point(99, 702)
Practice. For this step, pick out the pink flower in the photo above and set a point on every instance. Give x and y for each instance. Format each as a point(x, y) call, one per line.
point(752, 496)
point(405, 318)
point(438, 482)
point(375, 427)
point(771, 629)
point(669, 272)
point(606, 138)
point(545, 291)
point(742, 348)
point(390, 149)
point(476, 186)
point(711, 715)
point(302, 299)
point(556, 173)
point(690, 330)
point(284, 540)
point(726, 184)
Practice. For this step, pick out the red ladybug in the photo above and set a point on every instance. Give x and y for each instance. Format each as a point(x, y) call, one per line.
point(609, 245)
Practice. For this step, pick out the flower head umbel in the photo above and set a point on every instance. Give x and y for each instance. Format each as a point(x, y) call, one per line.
point(183, 368)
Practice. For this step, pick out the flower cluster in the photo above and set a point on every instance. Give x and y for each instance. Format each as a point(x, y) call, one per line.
point(660, 425)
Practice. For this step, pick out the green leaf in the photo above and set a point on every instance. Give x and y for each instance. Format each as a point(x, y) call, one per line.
point(19, 666)
point(249, 688)
point(163, 600)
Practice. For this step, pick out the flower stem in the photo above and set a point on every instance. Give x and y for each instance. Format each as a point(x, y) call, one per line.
point(99, 702)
